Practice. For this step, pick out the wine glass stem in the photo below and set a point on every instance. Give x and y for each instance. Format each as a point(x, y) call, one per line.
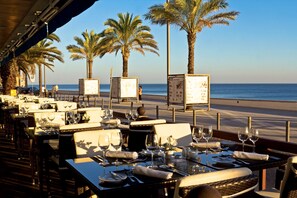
point(254, 147)
point(242, 145)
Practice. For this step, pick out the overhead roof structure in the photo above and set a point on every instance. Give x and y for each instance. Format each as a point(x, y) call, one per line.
point(25, 22)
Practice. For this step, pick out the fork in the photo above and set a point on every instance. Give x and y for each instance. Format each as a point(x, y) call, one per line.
point(132, 177)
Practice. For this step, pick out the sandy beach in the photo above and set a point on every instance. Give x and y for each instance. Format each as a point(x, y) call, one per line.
point(270, 117)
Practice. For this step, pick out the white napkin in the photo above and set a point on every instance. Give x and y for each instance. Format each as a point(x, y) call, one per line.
point(112, 121)
point(140, 170)
point(246, 155)
point(206, 145)
point(122, 154)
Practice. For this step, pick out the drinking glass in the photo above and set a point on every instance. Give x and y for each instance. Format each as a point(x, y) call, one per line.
point(135, 115)
point(109, 114)
point(128, 115)
point(243, 135)
point(207, 134)
point(253, 137)
point(197, 134)
point(151, 144)
point(116, 143)
point(103, 143)
point(51, 118)
point(76, 118)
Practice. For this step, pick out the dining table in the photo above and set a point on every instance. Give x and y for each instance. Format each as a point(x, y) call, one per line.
point(90, 172)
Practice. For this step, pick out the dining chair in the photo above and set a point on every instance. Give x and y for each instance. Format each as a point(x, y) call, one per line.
point(86, 142)
point(138, 131)
point(229, 182)
point(179, 131)
point(288, 187)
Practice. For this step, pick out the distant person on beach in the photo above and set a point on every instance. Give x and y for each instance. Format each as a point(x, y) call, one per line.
point(55, 90)
point(140, 93)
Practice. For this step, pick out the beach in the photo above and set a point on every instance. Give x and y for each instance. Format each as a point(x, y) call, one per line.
point(270, 117)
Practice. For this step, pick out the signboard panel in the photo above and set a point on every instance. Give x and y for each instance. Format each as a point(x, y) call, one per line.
point(129, 87)
point(89, 87)
point(197, 89)
point(176, 89)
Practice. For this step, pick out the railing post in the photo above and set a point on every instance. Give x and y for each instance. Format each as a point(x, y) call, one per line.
point(288, 129)
point(173, 115)
point(102, 105)
point(157, 112)
point(131, 107)
point(194, 117)
point(249, 122)
point(218, 121)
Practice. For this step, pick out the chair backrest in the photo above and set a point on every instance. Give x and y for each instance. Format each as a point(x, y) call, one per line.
point(65, 105)
point(41, 118)
point(138, 131)
point(179, 131)
point(192, 181)
point(289, 182)
point(94, 114)
point(86, 142)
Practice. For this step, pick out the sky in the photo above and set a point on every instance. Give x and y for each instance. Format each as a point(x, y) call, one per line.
point(260, 46)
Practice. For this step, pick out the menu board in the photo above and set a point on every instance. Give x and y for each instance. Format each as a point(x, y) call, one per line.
point(197, 89)
point(188, 89)
point(89, 87)
point(124, 87)
point(176, 89)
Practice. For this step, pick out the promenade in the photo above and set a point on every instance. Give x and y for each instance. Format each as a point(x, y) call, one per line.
point(270, 117)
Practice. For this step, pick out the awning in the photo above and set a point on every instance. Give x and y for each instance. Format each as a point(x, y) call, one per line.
point(33, 20)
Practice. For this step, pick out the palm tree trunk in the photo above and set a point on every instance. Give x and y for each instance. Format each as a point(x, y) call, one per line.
point(90, 63)
point(40, 79)
point(8, 75)
point(125, 65)
point(191, 47)
point(87, 68)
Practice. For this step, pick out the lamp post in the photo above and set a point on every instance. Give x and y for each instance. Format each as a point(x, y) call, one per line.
point(168, 58)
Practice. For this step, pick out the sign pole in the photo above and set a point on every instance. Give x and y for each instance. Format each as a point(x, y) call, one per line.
point(110, 88)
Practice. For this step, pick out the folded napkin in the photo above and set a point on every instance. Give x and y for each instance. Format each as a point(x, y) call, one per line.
point(111, 121)
point(246, 155)
point(122, 154)
point(140, 170)
point(206, 145)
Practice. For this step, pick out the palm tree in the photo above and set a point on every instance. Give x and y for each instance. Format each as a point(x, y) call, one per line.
point(87, 48)
point(128, 34)
point(191, 16)
point(45, 54)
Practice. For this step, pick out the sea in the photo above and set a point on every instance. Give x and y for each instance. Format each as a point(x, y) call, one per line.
point(279, 92)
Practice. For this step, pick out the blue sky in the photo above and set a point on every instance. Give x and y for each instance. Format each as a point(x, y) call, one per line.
point(260, 46)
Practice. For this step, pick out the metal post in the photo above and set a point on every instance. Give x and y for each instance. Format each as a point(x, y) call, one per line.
point(102, 106)
point(218, 121)
point(157, 112)
point(168, 58)
point(131, 107)
point(194, 117)
point(173, 115)
point(249, 122)
point(288, 130)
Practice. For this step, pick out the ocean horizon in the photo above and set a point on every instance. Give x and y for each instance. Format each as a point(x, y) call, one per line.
point(249, 91)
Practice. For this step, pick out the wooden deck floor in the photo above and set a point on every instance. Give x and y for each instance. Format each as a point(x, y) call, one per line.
point(15, 175)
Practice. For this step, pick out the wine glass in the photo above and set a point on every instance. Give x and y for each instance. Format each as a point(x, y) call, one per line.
point(116, 143)
point(110, 114)
point(76, 117)
point(207, 134)
point(151, 144)
point(51, 118)
point(197, 134)
point(103, 144)
point(135, 115)
point(128, 115)
point(243, 135)
point(253, 137)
